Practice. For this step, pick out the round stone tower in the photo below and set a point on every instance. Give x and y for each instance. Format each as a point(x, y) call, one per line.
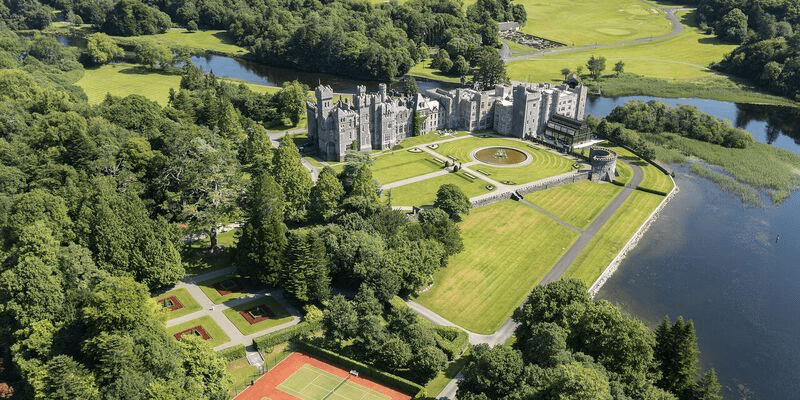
point(604, 164)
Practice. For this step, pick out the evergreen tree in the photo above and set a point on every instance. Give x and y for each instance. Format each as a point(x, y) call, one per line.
point(708, 387)
point(325, 196)
point(262, 240)
point(677, 354)
point(364, 184)
point(307, 276)
point(293, 178)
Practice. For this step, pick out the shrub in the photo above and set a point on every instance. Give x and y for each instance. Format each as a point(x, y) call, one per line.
point(232, 353)
point(263, 343)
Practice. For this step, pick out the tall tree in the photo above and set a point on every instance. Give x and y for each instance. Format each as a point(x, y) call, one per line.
point(596, 66)
point(708, 387)
point(619, 67)
point(293, 178)
point(102, 49)
point(339, 320)
point(325, 196)
point(491, 69)
point(291, 101)
point(437, 225)
point(205, 368)
point(262, 240)
point(67, 379)
point(452, 200)
point(307, 274)
point(677, 354)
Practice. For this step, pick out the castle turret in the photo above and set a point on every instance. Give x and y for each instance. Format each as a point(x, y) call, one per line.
point(382, 93)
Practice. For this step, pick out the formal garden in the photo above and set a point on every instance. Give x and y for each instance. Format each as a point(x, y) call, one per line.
point(204, 327)
point(177, 303)
point(258, 315)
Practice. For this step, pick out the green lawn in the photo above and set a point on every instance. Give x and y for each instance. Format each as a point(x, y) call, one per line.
point(126, 79)
point(508, 248)
point(213, 294)
point(607, 243)
point(242, 373)
point(545, 163)
point(190, 305)
point(402, 164)
point(653, 177)
point(582, 22)
point(197, 260)
point(624, 172)
point(424, 192)
point(426, 138)
point(198, 42)
point(423, 70)
point(279, 316)
point(312, 383)
point(217, 338)
point(578, 204)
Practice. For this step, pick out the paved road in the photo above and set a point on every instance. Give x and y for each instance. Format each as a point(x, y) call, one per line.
point(507, 329)
point(677, 28)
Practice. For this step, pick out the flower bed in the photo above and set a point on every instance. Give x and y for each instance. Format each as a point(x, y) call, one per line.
point(256, 314)
point(195, 330)
point(228, 286)
point(170, 302)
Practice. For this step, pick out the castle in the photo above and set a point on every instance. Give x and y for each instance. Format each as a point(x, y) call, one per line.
point(378, 121)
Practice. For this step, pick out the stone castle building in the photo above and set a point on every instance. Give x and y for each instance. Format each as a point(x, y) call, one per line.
point(379, 121)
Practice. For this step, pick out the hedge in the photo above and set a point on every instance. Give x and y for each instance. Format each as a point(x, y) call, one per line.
point(385, 378)
point(232, 353)
point(263, 343)
point(451, 340)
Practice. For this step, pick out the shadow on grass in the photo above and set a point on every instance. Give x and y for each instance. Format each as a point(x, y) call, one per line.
point(142, 70)
point(277, 311)
point(224, 37)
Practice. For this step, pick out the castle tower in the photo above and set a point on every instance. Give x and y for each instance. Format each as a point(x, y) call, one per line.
point(324, 126)
point(382, 93)
point(361, 106)
point(525, 114)
point(581, 90)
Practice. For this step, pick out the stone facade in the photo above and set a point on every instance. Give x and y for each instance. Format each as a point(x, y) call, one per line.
point(378, 121)
point(604, 164)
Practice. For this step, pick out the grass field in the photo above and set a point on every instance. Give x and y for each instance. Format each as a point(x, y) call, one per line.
point(189, 304)
point(217, 338)
point(544, 163)
point(424, 192)
point(578, 204)
point(402, 164)
point(423, 70)
point(653, 177)
point(208, 289)
point(199, 42)
point(242, 373)
point(508, 249)
point(279, 316)
point(126, 79)
point(311, 383)
point(582, 22)
point(197, 260)
point(624, 172)
point(427, 138)
point(613, 236)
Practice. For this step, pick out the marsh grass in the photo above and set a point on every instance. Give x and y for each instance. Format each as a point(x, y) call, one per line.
point(746, 193)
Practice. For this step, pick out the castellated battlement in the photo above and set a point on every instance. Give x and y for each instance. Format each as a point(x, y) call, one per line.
point(604, 164)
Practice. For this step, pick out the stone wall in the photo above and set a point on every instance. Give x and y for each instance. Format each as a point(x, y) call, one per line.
point(485, 201)
point(554, 181)
point(604, 164)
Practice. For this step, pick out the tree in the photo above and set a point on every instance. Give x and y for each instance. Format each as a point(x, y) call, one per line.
point(191, 26)
point(262, 241)
point(436, 224)
point(293, 179)
point(460, 66)
point(152, 54)
point(408, 86)
point(565, 72)
point(546, 346)
point(339, 320)
point(67, 379)
point(554, 302)
point(290, 101)
point(733, 26)
point(452, 200)
point(205, 368)
point(494, 372)
point(428, 361)
point(102, 49)
point(441, 61)
point(117, 303)
point(133, 18)
point(708, 387)
point(596, 66)
point(364, 185)
point(619, 67)
point(677, 354)
point(306, 275)
point(325, 196)
point(491, 69)
point(577, 381)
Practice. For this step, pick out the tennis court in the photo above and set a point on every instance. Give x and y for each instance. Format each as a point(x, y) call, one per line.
point(311, 383)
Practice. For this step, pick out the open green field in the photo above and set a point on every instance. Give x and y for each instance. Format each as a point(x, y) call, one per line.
point(544, 163)
point(424, 192)
point(582, 22)
point(613, 236)
point(217, 338)
point(190, 305)
point(312, 383)
point(279, 316)
point(683, 57)
point(578, 203)
point(423, 70)
point(402, 164)
point(508, 248)
point(199, 42)
point(653, 177)
point(126, 79)
point(624, 172)
point(213, 294)
point(426, 138)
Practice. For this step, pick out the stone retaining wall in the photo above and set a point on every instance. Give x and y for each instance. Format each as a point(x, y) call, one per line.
point(485, 201)
point(555, 181)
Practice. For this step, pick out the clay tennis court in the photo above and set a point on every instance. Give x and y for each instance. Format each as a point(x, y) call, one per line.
point(302, 377)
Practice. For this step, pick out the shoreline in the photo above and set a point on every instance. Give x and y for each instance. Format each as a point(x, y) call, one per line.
point(631, 244)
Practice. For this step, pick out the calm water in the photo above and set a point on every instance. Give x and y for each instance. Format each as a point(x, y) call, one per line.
point(713, 260)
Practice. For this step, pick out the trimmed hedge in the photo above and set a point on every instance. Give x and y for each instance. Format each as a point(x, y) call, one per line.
point(451, 340)
point(385, 378)
point(233, 353)
point(263, 343)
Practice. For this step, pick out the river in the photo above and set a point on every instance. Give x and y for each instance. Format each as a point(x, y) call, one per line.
point(707, 257)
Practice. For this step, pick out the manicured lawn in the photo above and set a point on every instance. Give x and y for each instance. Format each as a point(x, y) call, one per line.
point(213, 294)
point(402, 164)
point(653, 177)
point(683, 57)
point(218, 337)
point(126, 79)
point(423, 70)
point(424, 192)
point(312, 383)
point(508, 248)
point(624, 172)
point(581, 22)
point(613, 236)
point(544, 163)
point(279, 316)
point(197, 260)
point(427, 138)
point(578, 203)
point(189, 304)
point(242, 373)
point(198, 42)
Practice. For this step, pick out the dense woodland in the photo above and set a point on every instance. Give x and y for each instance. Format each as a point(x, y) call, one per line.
point(769, 36)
